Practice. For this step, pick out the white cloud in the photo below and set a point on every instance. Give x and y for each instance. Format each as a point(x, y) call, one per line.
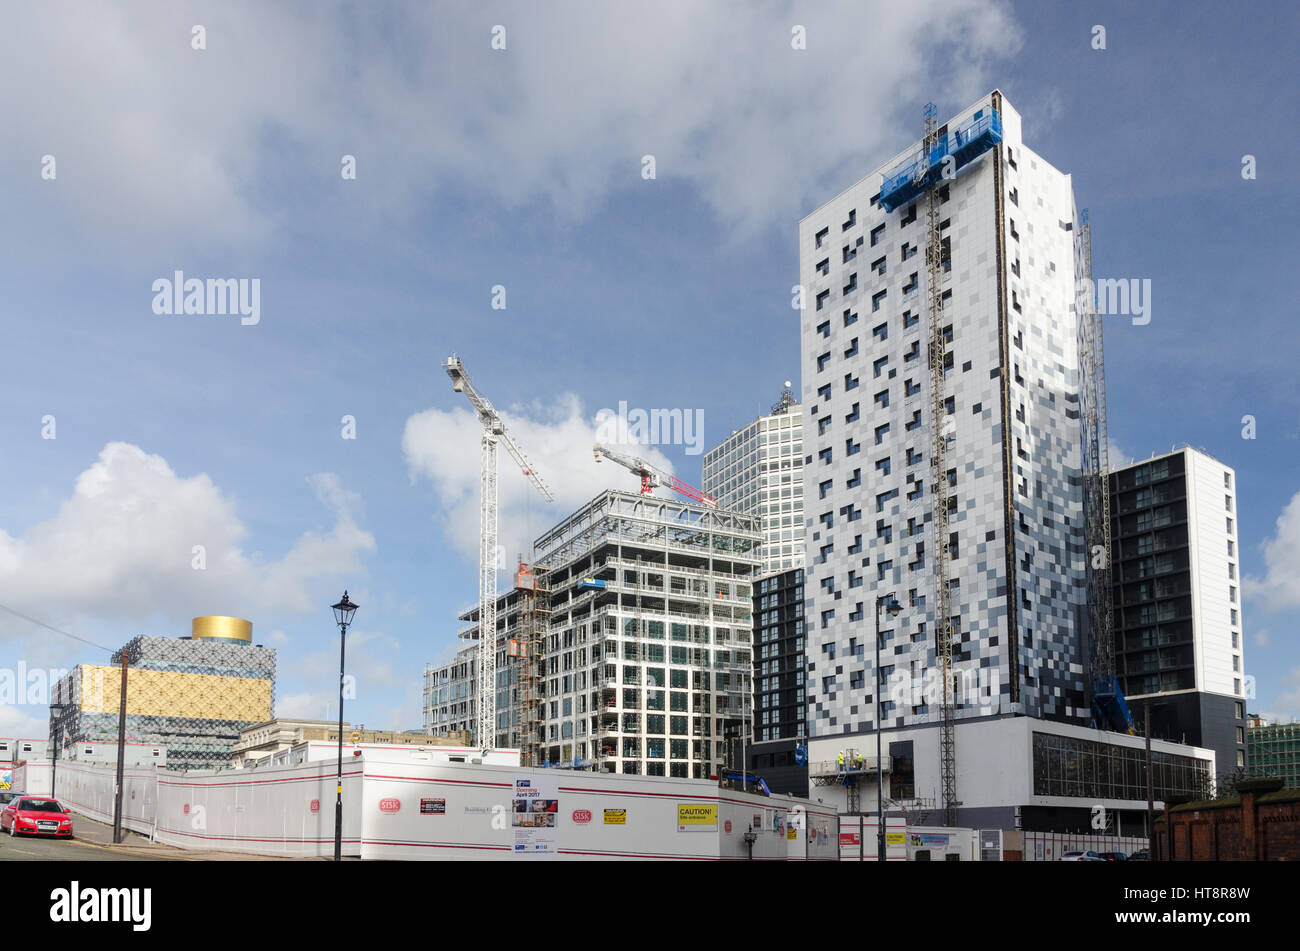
point(1115, 456)
point(1262, 637)
point(1279, 589)
point(156, 139)
point(121, 549)
point(14, 723)
point(443, 447)
point(318, 705)
point(1288, 701)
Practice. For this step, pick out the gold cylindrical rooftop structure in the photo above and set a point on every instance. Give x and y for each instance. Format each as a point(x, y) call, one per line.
point(234, 628)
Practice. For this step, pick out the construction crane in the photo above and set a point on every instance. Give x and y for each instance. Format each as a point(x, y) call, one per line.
point(494, 432)
point(1109, 709)
point(652, 477)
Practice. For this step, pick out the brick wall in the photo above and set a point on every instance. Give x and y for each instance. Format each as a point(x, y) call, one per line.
point(1260, 824)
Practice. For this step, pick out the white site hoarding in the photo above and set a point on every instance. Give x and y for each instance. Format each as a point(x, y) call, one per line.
point(401, 804)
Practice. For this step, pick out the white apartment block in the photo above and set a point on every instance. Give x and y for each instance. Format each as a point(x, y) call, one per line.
point(1014, 466)
point(1010, 265)
point(758, 470)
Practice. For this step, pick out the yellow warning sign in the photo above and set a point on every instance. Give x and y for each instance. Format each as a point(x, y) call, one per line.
point(895, 838)
point(697, 817)
point(792, 833)
point(615, 817)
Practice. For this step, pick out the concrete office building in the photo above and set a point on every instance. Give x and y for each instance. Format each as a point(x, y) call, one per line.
point(1009, 262)
point(627, 648)
point(449, 694)
point(758, 470)
point(1179, 640)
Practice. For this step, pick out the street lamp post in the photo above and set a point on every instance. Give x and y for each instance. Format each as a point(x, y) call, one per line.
point(56, 713)
point(890, 604)
point(343, 612)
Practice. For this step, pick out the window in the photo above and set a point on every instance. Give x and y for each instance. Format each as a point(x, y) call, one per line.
point(824, 488)
point(850, 318)
point(852, 417)
point(878, 365)
point(1229, 526)
point(880, 332)
point(821, 236)
point(851, 349)
point(824, 266)
point(850, 381)
point(852, 285)
point(910, 319)
point(881, 432)
point(878, 266)
point(1227, 502)
point(876, 300)
point(1227, 480)
point(882, 399)
point(824, 328)
point(850, 252)
point(822, 360)
point(852, 448)
point(855, 481)
point(876, 234)
point(821, 299)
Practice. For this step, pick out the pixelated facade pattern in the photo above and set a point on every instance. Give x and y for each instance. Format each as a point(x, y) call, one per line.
point(1014, 458)
point(193, 696)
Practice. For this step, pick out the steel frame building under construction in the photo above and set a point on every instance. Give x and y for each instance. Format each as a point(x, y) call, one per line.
point(628, 647)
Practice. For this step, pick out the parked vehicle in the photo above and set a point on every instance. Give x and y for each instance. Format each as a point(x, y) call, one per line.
point(9, 795)
point(1143, 856)
point(1114, 856)
point(1077, 856)
point(37, 816)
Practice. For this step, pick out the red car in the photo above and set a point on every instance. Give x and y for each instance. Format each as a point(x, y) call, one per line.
point(37, 815)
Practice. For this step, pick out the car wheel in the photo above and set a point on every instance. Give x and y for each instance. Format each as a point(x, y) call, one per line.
point(13, 830)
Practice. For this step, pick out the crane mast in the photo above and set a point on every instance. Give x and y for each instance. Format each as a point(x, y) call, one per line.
point(494, 433)
point(652, 476)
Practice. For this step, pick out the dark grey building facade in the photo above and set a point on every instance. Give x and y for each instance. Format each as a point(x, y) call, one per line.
point(779, 726)
point(1177, 607)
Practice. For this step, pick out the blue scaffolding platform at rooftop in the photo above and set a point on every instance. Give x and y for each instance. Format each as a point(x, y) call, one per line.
point(906, 180)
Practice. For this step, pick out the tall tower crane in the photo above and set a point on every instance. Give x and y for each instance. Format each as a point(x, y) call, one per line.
point(652, 477)
point(494, 432)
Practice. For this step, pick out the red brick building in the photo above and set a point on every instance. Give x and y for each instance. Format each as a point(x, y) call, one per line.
point(1262, 823)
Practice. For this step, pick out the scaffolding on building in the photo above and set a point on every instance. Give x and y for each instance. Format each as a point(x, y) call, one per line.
point(527, 650)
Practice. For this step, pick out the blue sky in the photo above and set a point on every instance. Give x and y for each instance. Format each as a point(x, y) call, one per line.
point(522, 167)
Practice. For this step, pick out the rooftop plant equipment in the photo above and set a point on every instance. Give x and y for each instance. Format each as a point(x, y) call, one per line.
point(921, 170)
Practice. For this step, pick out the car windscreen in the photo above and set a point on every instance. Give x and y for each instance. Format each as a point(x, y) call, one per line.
point(40, 805)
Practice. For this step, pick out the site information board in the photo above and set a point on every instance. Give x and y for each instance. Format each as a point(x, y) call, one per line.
point(534, 815)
